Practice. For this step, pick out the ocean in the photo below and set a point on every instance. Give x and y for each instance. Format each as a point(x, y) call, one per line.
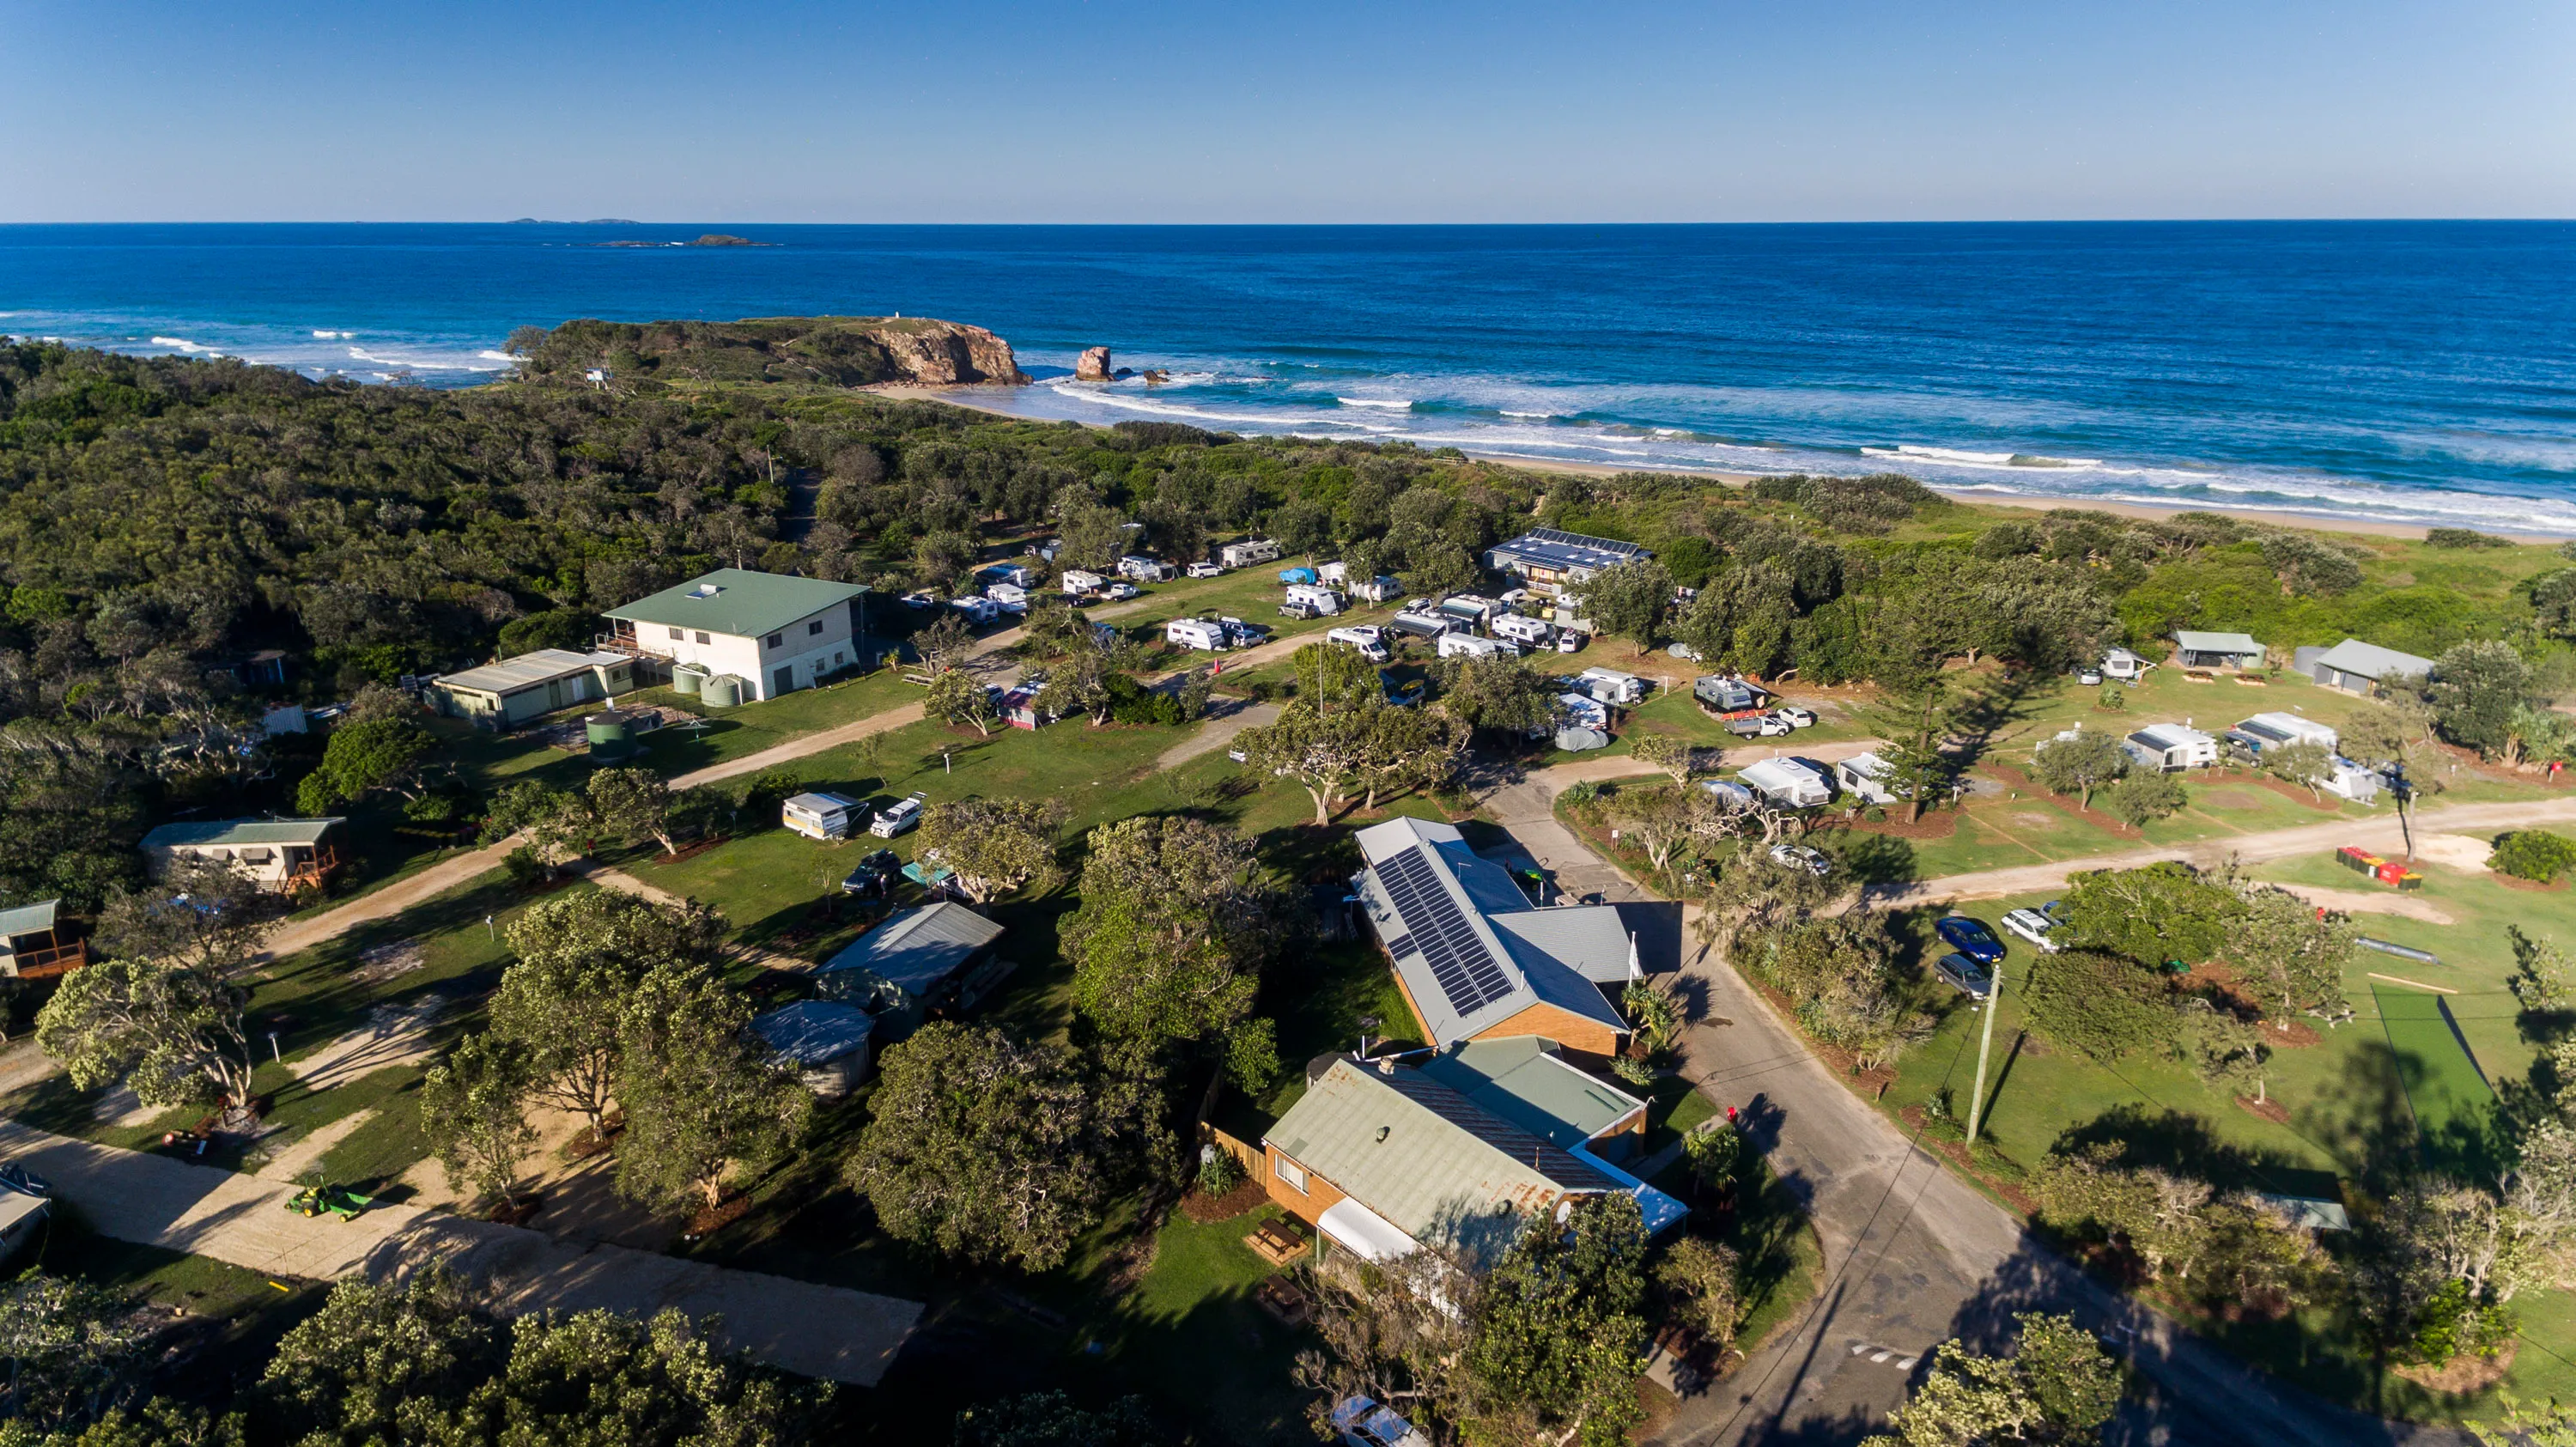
point(2410, 372)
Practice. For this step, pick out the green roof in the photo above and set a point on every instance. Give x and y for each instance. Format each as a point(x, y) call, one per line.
point(27, 919)
point(230, 832)
point(2196, 642)
point(738, 601)
point(1525, 1082)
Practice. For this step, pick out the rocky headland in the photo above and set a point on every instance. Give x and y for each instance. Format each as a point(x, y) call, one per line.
point(834, 351)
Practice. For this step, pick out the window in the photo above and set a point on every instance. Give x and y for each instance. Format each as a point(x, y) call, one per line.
point(1289, 1171)
point(836, 658)
point(677, 635)
point(702, 637)
point(773, 640)
point(814, 629)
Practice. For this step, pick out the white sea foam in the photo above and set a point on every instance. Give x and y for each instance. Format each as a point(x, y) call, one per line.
point(1397, 404)
point(432, 364)
point(182, 344)
point(1508, 412)
point(335, 336)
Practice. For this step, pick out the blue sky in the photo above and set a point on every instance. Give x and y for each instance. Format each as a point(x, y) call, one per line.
point(1073, 111)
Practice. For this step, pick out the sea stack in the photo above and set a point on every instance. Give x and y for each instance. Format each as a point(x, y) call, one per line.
point(1094, 366)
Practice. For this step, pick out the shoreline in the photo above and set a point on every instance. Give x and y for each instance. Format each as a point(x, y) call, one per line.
point(2272, 517)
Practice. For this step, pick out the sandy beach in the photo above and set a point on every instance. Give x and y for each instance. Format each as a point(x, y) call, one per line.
point(964, 397)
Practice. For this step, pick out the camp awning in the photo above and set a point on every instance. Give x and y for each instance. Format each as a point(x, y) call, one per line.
point(1365, 1233)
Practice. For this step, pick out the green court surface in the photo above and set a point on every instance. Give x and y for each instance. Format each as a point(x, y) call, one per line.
point(2453, 1103)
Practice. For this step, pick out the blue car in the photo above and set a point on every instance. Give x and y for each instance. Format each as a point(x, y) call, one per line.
point(1970, 937)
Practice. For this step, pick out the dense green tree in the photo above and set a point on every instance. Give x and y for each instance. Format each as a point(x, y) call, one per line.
point(1560, 1328)
point(2476, 689)
point(1178, 919)
point(577, 960)
point(2142, 796)
point(173, 1033)
point(959, 699)
point(73, 1351)
point(993, 846)
point(2290, 955)
point(474, 1113)
point(205, 914)
point(2080, 765)
point(631, 805)
point(2056, 1385)
point(2151, 914)
point(1490, 691)
point(982, 1147)
point(1628, 600)
point(2102, 1004)
point(700, 1091)
point(365, 755)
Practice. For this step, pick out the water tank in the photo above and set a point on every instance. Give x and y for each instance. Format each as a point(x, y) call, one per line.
point(687, 678)
point(722, 690)
point(612, 736)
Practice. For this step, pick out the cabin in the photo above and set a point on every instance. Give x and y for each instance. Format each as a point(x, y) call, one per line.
point(529, 686)
point(2217, 650)
point(2357, 667)
point(775, 633)
point(1546, 560)
point(34, 944)
point(280, 855)
point(823, 816)
point(1787, 783)
point(826, 1043)
point(1474, 959)
point(1245, 554)
point(1865, 775)
point(1460, 1152)
point(2171, 748)
point(930, 960)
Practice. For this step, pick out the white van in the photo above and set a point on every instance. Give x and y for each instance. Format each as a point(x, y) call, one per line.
point(822, 816)
point(1531, 631)
point(1364, 639)
point(1611, 686)
point(1314, 595)
point(1456, 645)
point(1196, 633)
point(899, 816)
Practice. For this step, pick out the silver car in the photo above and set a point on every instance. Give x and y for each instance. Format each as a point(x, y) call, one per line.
point(2033, 926)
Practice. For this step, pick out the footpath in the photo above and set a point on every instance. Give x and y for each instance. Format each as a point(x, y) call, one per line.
point(828, 1332)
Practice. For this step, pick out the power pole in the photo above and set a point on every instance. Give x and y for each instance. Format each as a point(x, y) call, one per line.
point(1985, 1047)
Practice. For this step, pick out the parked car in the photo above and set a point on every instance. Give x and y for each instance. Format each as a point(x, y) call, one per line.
point(1794, 716)
point(1760, 726)
point(1800, 856)
point(1120, 592)
point(899, 816)
point(2033, 926)
point(1244, 635)
point(1299, 609)
point(1363, 1423)
point(921, 600)
point(1969, 937)
point(1206, 570)
point(875, 875)
point(2089, 677)
point(1964, 974)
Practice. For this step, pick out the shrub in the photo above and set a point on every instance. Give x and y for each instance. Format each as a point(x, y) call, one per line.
point(1635, 1072)
point(2100, 1004)
point(2533, 854)
point(2454, 1324)
point(1219, 1171)
point(2462, 538)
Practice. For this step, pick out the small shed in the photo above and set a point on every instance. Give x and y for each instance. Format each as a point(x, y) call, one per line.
point(507, 694)
point(280, 855)
point(2217, 650)
point(32, 945)
point(920, 961)
point(2357, 667)
point(824, 1042)
point(1786, 782)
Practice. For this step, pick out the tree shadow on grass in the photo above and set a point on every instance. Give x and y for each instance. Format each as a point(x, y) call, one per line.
point(2186, 1145)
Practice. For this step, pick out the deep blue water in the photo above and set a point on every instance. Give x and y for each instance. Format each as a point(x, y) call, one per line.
point(2404, 371)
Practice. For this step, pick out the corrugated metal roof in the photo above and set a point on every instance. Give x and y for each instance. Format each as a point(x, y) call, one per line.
point(2195, 642)
point(1482, 892)
point(231, 832)
point(1550, 548)
point(2369, 660)
point(528, 670)
point(1435, 1164)
point(1525, 1082)
point(27, 919)
point(814, 1032)
point(917, 947)
point(743, 603)
point(1589, 938)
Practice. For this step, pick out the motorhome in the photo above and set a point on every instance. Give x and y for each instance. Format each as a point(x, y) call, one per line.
point(1611, 686)
point(1077, 582)
point(1366, 640)
point(1146, 570)
point(1245, 554)
point(1196, 633)
point(1531, 631)
point(1468, 645)
point(1316, 596)
point(822, 816)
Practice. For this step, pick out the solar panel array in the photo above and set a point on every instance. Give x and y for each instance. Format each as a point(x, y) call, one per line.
point(1468, 973)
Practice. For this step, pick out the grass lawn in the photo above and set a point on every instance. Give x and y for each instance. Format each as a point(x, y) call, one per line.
point(2348, 1097)
point(2453, 1104)
point(249, 1310)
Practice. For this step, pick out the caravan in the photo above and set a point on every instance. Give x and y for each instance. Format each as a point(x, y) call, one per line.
point(1377, 589)
point(822, 816)
point(1365, 639)
point(1611, 686)
point(1245, 554)
point(1199, 633)
point(1078, 583)
point(1865, 775)
point(1146, 570)
point(1786, 782)
point(1468, 645)
point(1323, 600)
point(978, 611)
point(1529, 632)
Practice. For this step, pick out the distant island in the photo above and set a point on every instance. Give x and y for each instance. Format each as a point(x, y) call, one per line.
point(600, 221)
point(712, 238)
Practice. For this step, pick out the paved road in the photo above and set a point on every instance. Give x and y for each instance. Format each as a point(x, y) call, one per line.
point(1913, 1254)
point(2380, 833)
point(819, 1331)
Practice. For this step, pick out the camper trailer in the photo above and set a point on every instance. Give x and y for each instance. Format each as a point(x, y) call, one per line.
point(1531, 632)
point(1146, 570)
point(1864, 775)
point(1245, 554)
point(1323, 600)
point(1366, 640)
point(1611, 686)
point(1198, 633)
point(1377, 589)
point(1468, 645)
point(823, 816)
